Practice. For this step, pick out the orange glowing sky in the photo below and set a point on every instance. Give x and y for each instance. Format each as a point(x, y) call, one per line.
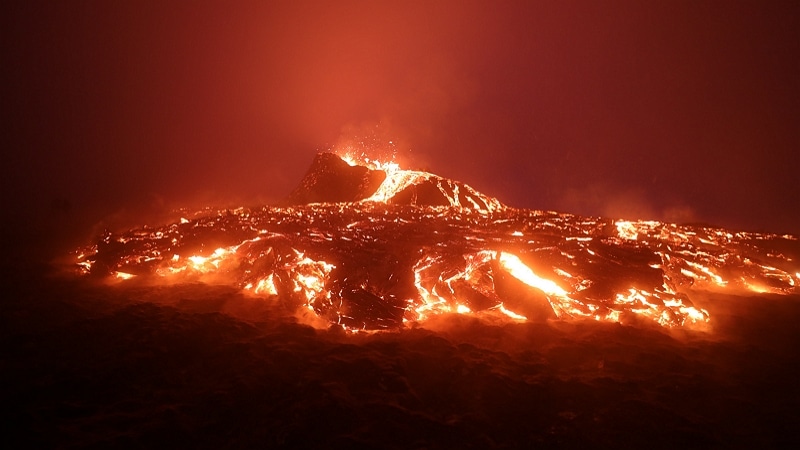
point(670, 110)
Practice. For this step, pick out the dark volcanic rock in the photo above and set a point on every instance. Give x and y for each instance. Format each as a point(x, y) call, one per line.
point(422, 194)
point(438, 191)
point(331, 180)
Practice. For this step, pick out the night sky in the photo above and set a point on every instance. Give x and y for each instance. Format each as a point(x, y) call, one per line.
point(671, 110)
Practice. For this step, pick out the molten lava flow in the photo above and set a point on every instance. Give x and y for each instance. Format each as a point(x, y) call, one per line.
point(398, 180)
point(520, 271)
point(377, 263)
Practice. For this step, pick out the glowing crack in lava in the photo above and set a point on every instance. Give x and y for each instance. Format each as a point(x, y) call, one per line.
point(369, 246)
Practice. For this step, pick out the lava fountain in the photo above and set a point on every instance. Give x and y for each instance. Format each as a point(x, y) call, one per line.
point(366, 245)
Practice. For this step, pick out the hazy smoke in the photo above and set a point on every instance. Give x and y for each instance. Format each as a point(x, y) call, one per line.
point(633, 204)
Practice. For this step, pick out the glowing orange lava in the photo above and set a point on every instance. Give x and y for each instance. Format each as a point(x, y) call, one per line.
point(374, 264)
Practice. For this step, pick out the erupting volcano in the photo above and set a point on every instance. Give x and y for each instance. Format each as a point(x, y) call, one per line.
point(363, 224)
point(366, 245)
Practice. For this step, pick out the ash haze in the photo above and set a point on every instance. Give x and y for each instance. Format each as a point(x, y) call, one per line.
point(673, 110)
